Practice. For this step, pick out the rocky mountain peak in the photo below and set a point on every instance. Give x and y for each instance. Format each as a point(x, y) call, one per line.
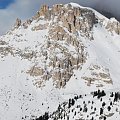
point(73, 18)
point(113, 25)
point(65, 22)
point(63, 63)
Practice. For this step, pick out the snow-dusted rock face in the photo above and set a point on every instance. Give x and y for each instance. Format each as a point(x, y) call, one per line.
point(60, 52)
point(18, 23)
point(113, 26)
point(62, 22)
point(73, 18)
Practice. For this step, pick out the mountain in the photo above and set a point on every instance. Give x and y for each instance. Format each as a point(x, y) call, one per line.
point(62, 64)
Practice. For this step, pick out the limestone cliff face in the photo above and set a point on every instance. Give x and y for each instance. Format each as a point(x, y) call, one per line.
point(113, 25)
point(18, 23)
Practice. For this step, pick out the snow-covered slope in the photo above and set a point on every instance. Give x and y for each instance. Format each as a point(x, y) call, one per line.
point(62, 52)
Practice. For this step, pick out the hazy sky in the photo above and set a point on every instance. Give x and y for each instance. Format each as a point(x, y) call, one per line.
point(23, 9)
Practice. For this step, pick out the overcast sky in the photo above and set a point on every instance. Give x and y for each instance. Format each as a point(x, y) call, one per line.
point(23, 9)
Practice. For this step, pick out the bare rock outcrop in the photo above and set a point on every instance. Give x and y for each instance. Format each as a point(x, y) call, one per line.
point(40, 27)
point(113, 25)
point(43, 10)
point(18, 23)
point(36, 71)
point(56, 9)
point(27, 23)
point(98, 74)
point(74, 18)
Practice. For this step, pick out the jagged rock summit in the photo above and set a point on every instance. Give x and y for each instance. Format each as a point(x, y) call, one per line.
point(58, 53)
